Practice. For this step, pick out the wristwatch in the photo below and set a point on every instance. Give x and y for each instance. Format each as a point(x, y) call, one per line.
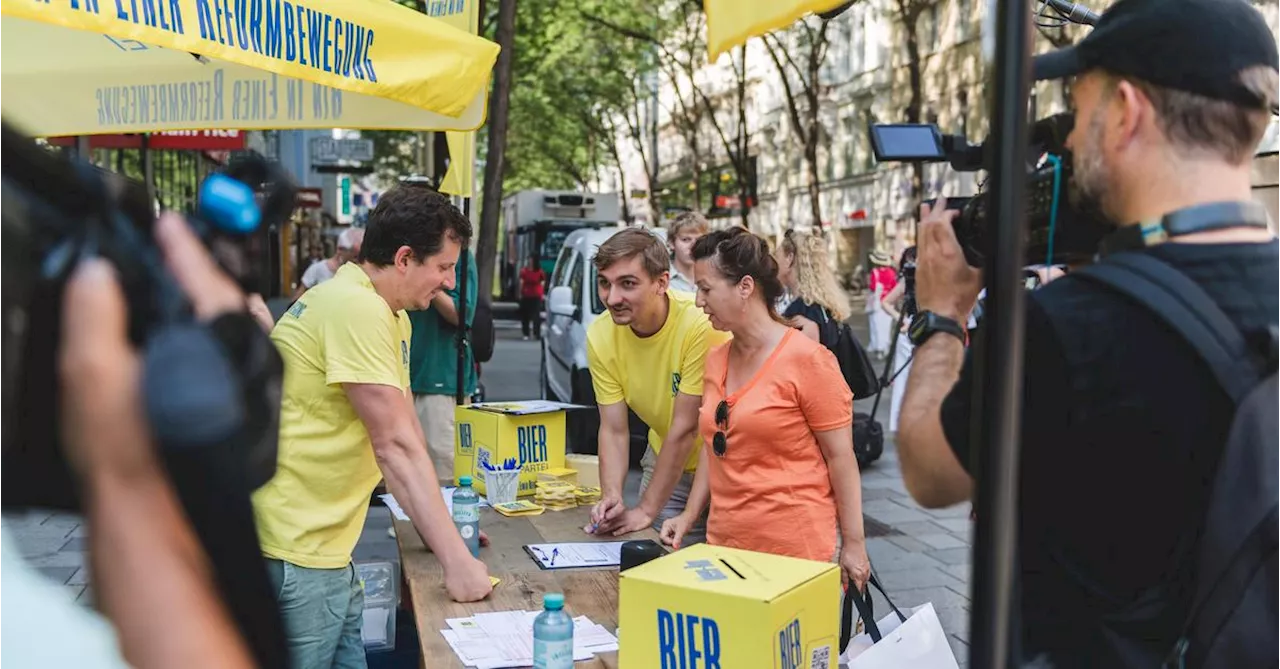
point(926, 323)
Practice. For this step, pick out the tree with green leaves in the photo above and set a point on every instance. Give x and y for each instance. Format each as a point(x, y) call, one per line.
point(679, 40)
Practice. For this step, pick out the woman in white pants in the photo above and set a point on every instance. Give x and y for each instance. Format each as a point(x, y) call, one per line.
point(882, 281)
point(900, 368)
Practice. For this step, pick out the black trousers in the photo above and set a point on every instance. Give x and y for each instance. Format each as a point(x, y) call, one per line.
point(531, 315)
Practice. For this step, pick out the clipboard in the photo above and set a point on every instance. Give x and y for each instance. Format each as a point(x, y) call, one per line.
point(576, 555)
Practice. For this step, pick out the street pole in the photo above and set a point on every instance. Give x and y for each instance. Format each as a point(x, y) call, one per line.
point(655, 217)
point(997, 388)
point(460, 392)
point(83, 150)
point(148, 169)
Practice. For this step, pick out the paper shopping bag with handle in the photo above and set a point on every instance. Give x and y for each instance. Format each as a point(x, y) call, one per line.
point(896, 640)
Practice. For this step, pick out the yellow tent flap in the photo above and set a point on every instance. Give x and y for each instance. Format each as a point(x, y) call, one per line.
point(731, 23)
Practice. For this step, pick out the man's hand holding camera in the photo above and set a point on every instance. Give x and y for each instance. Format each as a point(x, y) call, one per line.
point(149, 569)
point(945, 283)
point(947, 286)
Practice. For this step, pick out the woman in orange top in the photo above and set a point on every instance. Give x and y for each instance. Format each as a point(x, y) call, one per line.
point(777, 419)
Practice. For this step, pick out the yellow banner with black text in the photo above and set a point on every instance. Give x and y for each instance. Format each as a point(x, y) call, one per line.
point(109, 66)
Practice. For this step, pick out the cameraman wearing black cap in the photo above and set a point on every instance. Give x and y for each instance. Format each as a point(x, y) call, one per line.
point(1122, 423)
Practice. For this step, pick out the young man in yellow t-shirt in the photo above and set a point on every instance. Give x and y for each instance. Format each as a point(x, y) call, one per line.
point(347, 420)
point(648, 356)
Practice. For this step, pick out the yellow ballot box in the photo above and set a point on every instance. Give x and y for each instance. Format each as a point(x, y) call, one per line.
point(710, 607)
point(529, 432)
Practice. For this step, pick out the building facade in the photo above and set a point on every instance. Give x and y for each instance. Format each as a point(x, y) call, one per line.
point(864, 78)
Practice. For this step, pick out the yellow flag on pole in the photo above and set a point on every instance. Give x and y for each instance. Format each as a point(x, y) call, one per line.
point(731, 23)
point(459, 179)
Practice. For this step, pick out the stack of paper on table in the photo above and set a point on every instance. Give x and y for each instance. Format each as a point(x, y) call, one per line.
point(445, 491)
point(556, 495)
point(505, 639)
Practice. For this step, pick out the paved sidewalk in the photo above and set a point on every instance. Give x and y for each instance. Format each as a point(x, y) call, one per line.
point(920, 555)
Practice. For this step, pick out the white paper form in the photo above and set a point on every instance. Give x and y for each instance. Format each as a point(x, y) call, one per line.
point(578, 554)
point(592, 637)
point(446, 492)
point(505, 639)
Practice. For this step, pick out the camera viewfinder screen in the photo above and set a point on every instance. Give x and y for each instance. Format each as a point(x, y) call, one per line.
point(906, 142)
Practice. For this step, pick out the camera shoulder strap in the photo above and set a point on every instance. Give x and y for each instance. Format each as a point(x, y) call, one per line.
point(1187, 221)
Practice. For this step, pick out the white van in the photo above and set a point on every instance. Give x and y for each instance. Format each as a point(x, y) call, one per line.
point(573, 303)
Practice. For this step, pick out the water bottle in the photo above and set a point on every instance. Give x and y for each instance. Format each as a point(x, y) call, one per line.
point(553, 635)
point(466, 515)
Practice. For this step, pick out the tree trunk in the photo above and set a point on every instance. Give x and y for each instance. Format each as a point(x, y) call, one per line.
point(811, 159)
point(622, 183)
point(910, 19)
point(743, 163)
point(697, 178)
point(499, 106)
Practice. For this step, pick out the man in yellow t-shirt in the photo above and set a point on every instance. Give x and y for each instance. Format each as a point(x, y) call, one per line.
point(648, 356)
point(347, 421)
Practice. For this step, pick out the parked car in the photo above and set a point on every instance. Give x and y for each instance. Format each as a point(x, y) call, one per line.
point(573, 303)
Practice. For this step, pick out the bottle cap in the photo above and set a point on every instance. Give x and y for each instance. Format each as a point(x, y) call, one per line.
point(553, 601)
point(464, 480)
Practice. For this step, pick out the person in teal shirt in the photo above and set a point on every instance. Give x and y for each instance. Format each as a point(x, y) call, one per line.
point(433, 367)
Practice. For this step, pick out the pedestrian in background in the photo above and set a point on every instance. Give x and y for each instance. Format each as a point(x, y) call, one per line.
point(900, 303)
point(318, 272)
point(683, 232)
point(882, 280)
point(804, 270)
point(532, 284)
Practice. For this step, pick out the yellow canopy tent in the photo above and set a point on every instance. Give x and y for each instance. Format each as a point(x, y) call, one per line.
point(731, 23)
point(83, 67)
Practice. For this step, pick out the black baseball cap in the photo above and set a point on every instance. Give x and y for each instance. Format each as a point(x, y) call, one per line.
point(1197, 46)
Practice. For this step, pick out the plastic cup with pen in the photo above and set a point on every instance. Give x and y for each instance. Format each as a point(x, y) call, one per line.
point(501, 482)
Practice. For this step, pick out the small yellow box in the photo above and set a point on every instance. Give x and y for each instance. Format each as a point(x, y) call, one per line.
point(587, 466)
point(531, 432)
point(710, 607)
point(561, 475)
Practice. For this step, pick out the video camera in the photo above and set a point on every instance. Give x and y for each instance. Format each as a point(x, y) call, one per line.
point(1060, 231)
point(211, 390)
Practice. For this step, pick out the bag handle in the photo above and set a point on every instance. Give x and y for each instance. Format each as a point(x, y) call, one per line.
point(862, 600)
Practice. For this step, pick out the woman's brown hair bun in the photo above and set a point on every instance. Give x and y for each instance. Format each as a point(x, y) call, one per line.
point(737, 253)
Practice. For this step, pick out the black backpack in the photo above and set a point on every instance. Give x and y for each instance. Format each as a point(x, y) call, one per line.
point(1233, 619)
point(483, 336)
point(868, 435)
point(481, 333)
point(856, 367)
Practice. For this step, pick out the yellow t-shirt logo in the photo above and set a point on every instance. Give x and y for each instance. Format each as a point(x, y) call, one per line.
point(675, 383)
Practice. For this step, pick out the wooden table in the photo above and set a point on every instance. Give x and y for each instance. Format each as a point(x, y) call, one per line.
point(587, 592)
